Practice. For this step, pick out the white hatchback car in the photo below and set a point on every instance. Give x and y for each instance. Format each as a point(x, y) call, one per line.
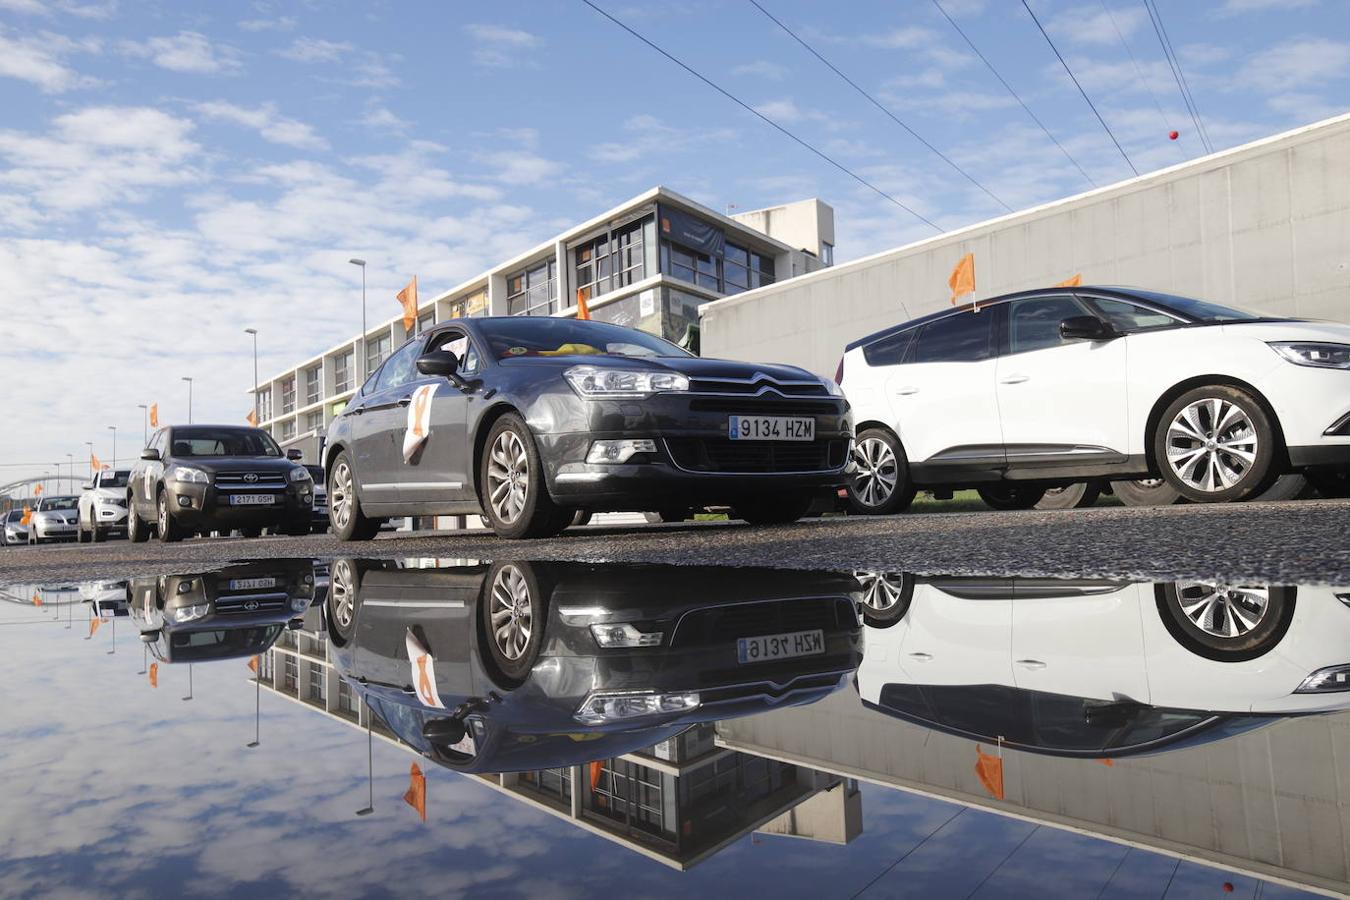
point(1043, 388)
point(103, 506)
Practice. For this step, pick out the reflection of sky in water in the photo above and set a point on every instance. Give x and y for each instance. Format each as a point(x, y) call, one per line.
point(113, 788)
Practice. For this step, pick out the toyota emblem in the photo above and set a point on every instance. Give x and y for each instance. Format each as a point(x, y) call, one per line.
point(251, 478)
point(251, 605)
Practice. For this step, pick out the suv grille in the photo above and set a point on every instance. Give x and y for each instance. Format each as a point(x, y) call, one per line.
point(756, 457)
point(721, 624)
point(239, 480)
point(237, 604)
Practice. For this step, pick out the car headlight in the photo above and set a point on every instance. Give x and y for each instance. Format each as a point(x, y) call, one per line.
point(834, 389)
point(600, 383)
point(599, 709)
point(1326, 681)
point(189, 613)
point(112, 501)
point(300, 473)
point(189, 475)
point(299, 604)
point(1320, 356)
point(623, 634)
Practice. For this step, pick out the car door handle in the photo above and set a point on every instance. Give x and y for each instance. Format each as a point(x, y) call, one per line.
point(921, 657)
point(906, 390)
point(405, 401)
point(1031, 664)
point(1014, 379)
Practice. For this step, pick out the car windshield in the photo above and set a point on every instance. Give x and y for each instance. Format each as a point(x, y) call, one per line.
point(546, 336)
point(114, 479)
point(59, 503)
point(1199, 310)
point(209, 441)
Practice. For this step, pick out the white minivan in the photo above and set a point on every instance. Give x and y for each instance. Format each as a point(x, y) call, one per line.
point(1044, 388)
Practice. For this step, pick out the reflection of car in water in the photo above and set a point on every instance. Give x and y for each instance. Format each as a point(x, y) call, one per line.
point(1100, 668)
point(535, 665)
point(237, 611)
point(106, 597)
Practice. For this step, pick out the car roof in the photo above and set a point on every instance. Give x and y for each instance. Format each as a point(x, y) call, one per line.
point(1100, 290)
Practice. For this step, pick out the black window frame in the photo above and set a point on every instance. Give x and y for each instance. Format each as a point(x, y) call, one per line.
point(439, 339)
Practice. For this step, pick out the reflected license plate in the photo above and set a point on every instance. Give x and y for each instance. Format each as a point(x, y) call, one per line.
point(768, 647)
point(771, 428)
point(251, 584)
point(251, 499)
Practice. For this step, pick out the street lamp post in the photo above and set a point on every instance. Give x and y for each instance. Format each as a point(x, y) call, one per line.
point(90, 445)
point(145, 423)
point(56, 482)
point(113, 429)
point(70, 460)
point(188, 379)
point(362, 264)
point(257, 413)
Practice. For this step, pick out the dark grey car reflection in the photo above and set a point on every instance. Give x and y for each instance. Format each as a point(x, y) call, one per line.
point(237, 611)
point(549, 664)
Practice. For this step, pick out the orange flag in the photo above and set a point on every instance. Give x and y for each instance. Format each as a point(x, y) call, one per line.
point(596, 768)
point(989, 769)
point(37, 601)
point(253, 665)
point(251, 418)
point(583, 310)
point(154, 675)
point(27, 514)
point(94, 464)
point(37, 491)
point(962, 279)
point(408, 297)
point(154, 415)
point(1107, 762)
point(1075, 281)
point(93, 625)
point(416, 797)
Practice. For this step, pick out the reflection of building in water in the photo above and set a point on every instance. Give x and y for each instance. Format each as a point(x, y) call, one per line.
point(677, 802)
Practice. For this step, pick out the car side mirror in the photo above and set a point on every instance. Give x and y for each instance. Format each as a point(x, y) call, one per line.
point(1086, 328)
point(149, 637)
point(150, 453)
point(87, 486)
point(294, 454)
point(439, 362)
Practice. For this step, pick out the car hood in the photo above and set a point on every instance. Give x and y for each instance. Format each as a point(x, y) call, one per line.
point(1290, 330)
point(113, 493)
point(215, 464)
point(693, 366)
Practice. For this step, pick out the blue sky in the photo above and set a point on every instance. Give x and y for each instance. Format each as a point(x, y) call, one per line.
point(171, 173)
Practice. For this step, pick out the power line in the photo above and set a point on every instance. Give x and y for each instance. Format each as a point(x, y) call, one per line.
point(1014, 93)
point(741, 103)
point(1174, 62)
point(1080, 87)
point(893, 117)
point(1139, 72)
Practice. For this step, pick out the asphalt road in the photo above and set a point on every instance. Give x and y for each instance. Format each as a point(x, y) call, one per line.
point(1302, 541)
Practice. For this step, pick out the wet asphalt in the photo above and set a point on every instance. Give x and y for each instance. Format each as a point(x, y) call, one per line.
point(1302, 541)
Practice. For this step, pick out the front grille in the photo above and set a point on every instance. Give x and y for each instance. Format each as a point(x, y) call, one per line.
point(237, 604)
point(756, 457)
point(239, 480)
point(768, 406)
point(733, 386)
point(723, 624)
point(723, 693)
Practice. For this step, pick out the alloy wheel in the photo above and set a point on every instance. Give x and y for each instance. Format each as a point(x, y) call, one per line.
point(1220, 610)
point(878, 473)
point(163, 513)
point(339, 501)
point(510, 613)
point(508, 477)
point(1211, 444)
point(881, 590)
point(343, 596)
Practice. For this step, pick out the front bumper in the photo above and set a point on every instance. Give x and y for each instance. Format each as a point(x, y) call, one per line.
point(52, 532)
point(110, 517)
point(204, 506)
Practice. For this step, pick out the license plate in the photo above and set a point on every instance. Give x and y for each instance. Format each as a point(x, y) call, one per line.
point(251, 584)
point(771, 428)
point(768, 647)
point(251, 499)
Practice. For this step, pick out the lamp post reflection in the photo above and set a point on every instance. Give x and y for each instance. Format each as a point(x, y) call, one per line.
point(189, 696)
point(370, 766)
point(257, 701)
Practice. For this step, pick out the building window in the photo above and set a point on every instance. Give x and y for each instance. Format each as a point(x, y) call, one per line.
point(288, 394)
point(313, 384)
point(426, 320)
point(342, 372)
point(533, 292)
point(314, 420)
point(290, 676)
point(266, 667)
point(475, 304)
point(347, 700)
point(612, 260)
point(318, 689)
point(265, 404)
point(827, 253)
point(288, 429)
point(376, 351)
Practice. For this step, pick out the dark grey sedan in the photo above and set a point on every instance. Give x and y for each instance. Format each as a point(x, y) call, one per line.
point(528, 420)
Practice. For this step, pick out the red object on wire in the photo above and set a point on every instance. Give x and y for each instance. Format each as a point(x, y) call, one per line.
point(1173, 135)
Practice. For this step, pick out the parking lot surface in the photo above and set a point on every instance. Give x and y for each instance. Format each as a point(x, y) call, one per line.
point(1305, 541)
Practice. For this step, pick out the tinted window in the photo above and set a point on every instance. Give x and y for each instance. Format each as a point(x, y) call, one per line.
point(114, 479)
point(400, 368)
point(1034, 324)
point(209, 441)
point(546, 336)
point(459, 344)
point(889, 351)
point(1128, 317)
point(963, 337)
point(1200, 310)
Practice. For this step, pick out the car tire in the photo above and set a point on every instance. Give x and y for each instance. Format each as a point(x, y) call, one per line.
point(1204, 438)
point(170, 532)
point(1330, 482)
point(514, 494)
point(296, 530)
point(885, 597)
point(344, 601)
point(1290, 486)
point(1010, 495)
point(775, 510)
point(1078, 495)
point(512, 615)
point(1146, 492)
point(96, 534)
point(251, 532)
point(879, 457)
point(579, 518)
point(344, 507)
point(1199, 615)
point(137, 531)
point(81, 536)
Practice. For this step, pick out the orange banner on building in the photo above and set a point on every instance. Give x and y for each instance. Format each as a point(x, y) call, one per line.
point(962, 279)
point(408, 297)
point(416, 795)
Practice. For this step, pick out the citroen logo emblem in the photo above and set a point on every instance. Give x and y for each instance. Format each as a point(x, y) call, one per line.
point(251, 478)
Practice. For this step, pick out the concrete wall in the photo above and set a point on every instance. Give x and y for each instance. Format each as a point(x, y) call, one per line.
point(1264, 226)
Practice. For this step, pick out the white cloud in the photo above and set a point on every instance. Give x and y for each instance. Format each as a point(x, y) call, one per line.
point(281, 23)
point(187, 51)
point(38, 60)
point(497, 46)
point(911, 37)
point(270, 125)
point(1093, 24)
point(1245, 6)
point(384, 119)
point(786, 111)
point(1296, 63)
point(312, 50)
point(39, 8)
point(647, 135)
point(763, 69)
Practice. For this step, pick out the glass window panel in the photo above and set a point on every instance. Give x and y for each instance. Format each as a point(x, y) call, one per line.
point(963, 337)
point(1034, 323)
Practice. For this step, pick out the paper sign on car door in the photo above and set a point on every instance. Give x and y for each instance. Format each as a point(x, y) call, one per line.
point(423, 672)
point(419, 420)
